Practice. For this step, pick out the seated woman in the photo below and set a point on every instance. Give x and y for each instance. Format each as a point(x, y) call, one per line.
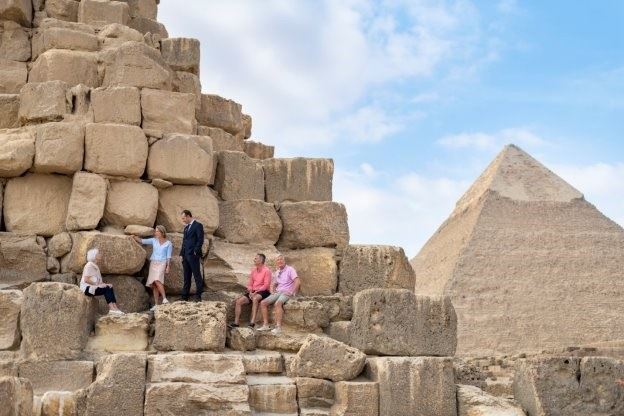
point(92, 284)
point(159, 262)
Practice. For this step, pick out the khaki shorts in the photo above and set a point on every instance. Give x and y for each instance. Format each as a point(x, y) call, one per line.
point(277, 297)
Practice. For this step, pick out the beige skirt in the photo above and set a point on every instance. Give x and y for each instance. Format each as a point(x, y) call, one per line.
point(156, 272)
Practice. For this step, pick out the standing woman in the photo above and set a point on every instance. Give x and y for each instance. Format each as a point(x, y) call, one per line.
point(159, 262)
point(91, 283)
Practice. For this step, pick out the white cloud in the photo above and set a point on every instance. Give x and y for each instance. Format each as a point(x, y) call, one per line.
point(493, 141)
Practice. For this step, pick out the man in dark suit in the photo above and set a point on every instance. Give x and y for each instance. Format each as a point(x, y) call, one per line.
point(191, 254)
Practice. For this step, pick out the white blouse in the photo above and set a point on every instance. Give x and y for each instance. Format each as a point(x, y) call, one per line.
point(90, 269)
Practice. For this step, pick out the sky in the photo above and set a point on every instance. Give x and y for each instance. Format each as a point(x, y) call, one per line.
point(413, 98)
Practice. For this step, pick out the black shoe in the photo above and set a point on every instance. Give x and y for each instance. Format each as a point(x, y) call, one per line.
point(232, 326)
point(184, 299)
point(197, 300)
point(251, 325)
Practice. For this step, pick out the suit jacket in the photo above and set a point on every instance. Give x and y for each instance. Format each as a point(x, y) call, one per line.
point(193, 239)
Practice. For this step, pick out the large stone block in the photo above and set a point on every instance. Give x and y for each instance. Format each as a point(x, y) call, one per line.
point(152, 27)
point(314, 392)
point(397, 322)
point(10, 305)
point(114, 333)
point(357, 398)
point(257, 150)
point(14, 42)
point(50, 37)
point(189, 84)
point(181, 54)
point(16, 396)
point(98, 13)
point(248, 221)
point(313, 224)
point(316, 268)
point(19, 11)
point(273, 395)
point(472, 401)
point(71, 67)
point(181, 159)
point(66, 10)
point(22, 260)
point(17, 151)
point(59, 148)
point(130, 203)
point(305, 315)
point(86, 204)
point(57, 375)
point(221, 139)
point(220, 112)
point(9, 110)
point(43, 101)
point(37, 204)
point(298, 179)
point(13, 76)
point(55, 403)
point(368, 267)
point(322, 357)
point(130, 293)
point(168, 112)
point(198, 199)
point(143, 8)
point(414, 386)
point(114, 36)
point(115, 149)
point(259, 361)
point(120, 254)
point(121, 105)
point(55, 321)
point(196, 368)
point(239, 177)
point(59, 245)
point(138, 65)
point(184, 326)
point(191, 399)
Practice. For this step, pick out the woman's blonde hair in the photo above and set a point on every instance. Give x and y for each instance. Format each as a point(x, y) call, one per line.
point(162, 230)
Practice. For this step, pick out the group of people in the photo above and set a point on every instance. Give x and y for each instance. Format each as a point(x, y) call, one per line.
point(263, 287)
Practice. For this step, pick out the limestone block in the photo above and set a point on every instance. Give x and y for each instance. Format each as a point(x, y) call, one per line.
point(57, 375)
point(340, 331)
point(14, 42)
point(56, 403)
point(313, 224)
point(248, 221)
point(120, 254)
point(62, 9)
point(53, 265)
point(184, 326)
point(59, 245)
point(115, 149)
point(260, 361)
point(71, 67)
point(136, 64)
point(190, 84)
point(17, 151)
point(357, 398)
point(181, 54)
point(181, 159)
point(472, 401)
point(239, 177)
point(257, 150)
point(131, 203)
point(51, 37)
point(191, 399)
point(8, 365)
point(247, 124)
point(143, 8)
point(221, 139)
point(322, 357)
point(37, 204)
point(337, 307)
point(220, 112)
point(86, 204)
point(241, 339)
point(149, 26)
point(298, 179)
point(55, 321)
point(198, 199)
point(272, 395)
point(305, 315)
point(113, 333)
point(114, 35)
point(372, 266)
point(18, 11)
point(409, 386)
point(168, 112)
point(196, 368)
point(139, 230)
point(13, 76)
point(9, 110)
point(121, 105)
point(10, 304)
point(98, 13)
point(59, 148)
point(16, 393)
point(22, 260)
point(130, 293)
point(397, 322)
point(43, 101)
point(314, 392)
point(316, 268)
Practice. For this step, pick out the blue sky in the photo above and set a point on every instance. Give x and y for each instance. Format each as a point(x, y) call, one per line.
point(413, 98)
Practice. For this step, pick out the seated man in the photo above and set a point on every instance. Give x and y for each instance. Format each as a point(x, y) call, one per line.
point(284, 286)
point(258, 287)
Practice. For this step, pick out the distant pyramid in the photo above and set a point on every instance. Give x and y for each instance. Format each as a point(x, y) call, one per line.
point(529, 264)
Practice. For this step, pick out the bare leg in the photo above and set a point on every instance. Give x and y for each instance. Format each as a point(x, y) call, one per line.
point(264, 308)
point(254, 308)
point(237, 308)
point(155, 293)
point(161, 290)
point(279, 313)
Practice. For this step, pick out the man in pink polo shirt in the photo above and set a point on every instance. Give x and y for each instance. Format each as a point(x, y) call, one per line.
point(258, 287)
point(285, 285)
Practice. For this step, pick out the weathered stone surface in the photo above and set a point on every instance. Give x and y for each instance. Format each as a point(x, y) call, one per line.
point(272, 395)
point(120, 254)
point(198, 199)
point(59, 148)
point(161, 183)
point(99, 13)
point(241, 339)
point(86, 204)
point(239, 177)
point(14, 42)
point(17, 151)
point(190, 84)
point(357, 398)
point(340, 331)
point(143, 8)
point(248, 221)
point(472, 401)
point(19, 11)
point(196, 368)
point(139, 230)
point(71, 67)
point(288, 341)
point(260, 361)
point(322, 357)
point(305, 315)
point(62, 9)
point(397, 322)
point(314, 392)
point(190, 399)
point(409, 386)
point(578, 386)
point(221, 139)
point(298, 179)
point(53, 265)
point(131, 203)
point(168, 112)
point(9, 110)
point(52, 37)
point(57, 375)
point(37, 204)
point(114, 333)
point(10, 305)
point(55, 321)
point(55, 403)
point(13, 76)
point(181, 54)
point(121, 105)
point(130, 293)
point(8, 364)
point(257, 150)
point(114, 35)
point(17, 396)
point(138, 65)
point(22, 260)
point(316, 268)
point(337, 307)
point(313, 224)
point(184, 326)
point(115, 149)
point(152, 27)
point(43, 101)
point(367, 267)
point(220, 112)
point(181, 159)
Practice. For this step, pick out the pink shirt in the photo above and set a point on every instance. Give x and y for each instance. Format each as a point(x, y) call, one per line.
point(285, 279)
point(259, 280)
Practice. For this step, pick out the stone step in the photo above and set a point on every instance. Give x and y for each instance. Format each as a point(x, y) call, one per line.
point(115, 333)
point(314, 411)
point(261, 361)
point(269, 394)
point(207, 368)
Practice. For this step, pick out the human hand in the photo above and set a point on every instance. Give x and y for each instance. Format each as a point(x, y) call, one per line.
point(620, 382)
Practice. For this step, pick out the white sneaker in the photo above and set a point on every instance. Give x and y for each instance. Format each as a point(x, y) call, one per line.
point(153, 308)
point(165, 301)
point(276, 331)
point(115, 312)
point(264, 328)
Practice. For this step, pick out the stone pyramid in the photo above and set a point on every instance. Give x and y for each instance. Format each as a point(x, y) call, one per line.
point(528, 263)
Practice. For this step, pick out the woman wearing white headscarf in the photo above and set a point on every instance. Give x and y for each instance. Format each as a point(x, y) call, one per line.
point(92, 284)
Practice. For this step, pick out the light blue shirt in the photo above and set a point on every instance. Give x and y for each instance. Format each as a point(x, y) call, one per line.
point(159, 252)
